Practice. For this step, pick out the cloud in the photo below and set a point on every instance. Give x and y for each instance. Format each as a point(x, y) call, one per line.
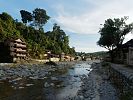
point(89, 21)
point(82, 46)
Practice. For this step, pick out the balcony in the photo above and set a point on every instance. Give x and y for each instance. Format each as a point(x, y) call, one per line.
point(20, 50)
point(21, 55)
point(20, 45)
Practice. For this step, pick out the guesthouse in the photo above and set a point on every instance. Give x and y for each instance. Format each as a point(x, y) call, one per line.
point(12, 50)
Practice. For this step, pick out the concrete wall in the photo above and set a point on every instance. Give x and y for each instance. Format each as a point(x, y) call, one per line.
point(122, 77)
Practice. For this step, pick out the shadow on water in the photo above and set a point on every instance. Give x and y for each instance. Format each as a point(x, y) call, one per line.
point(55, 87)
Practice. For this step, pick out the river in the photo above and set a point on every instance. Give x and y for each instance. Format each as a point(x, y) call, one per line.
point(55, 87)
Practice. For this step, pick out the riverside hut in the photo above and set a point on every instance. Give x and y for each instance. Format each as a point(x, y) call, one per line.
point(12, 50)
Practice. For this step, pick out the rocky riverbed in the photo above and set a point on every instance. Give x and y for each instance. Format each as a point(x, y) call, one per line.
point(32, 71)
point(65, 81)
point(97, 86)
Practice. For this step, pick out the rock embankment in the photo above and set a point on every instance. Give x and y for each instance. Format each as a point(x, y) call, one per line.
point(122, 77)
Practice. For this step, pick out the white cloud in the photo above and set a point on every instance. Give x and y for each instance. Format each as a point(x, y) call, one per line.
point(87, 47)
point(89, 22)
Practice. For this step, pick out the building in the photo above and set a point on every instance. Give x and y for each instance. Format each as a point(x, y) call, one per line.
point(62, 56)
point(12, 50)
point(72, 58)
point(78, 58)
point(51, 57)
point(55, 58)
point(124, 54)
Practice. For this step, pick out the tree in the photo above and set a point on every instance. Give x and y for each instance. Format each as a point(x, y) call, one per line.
point(113, 33)
point(26, 16)
point(7, 27)
point(59, 36)
point(40, 18)
point(37, 41)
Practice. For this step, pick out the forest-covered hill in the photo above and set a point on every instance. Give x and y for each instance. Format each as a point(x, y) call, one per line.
point(32, 32)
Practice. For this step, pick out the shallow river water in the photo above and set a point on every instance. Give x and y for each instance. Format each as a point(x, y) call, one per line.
point(55, 87)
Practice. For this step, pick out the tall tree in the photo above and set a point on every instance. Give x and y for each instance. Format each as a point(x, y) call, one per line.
point(61, 38)
point(26, 16)
point(113, 33)
point(40, 18)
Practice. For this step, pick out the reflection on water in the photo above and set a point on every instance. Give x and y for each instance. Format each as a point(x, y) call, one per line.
point(81, 69)
point(67, 85)
point(73, 81)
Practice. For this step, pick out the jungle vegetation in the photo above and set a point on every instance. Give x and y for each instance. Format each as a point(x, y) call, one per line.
point(31, 30)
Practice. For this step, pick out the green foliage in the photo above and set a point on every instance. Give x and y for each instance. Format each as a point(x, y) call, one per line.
point(58, 41)
point(94, 54)
point(40, 18)
point(37, 41)
point(113, 33)
point(7, 27)
point(97, 54)
point(26, 16)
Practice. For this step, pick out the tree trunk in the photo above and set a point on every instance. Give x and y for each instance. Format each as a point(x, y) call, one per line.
point(112, 56)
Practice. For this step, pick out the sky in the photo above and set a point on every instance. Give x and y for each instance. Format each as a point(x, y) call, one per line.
point(80, 19)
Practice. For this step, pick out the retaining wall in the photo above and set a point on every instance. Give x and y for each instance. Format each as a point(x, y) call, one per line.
point(122, 77)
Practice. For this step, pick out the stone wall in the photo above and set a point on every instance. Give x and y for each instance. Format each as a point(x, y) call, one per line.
point(122, 77)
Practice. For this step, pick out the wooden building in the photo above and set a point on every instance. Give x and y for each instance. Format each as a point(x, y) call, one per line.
point(124, 54)
point(51, 57)
point(12, 50)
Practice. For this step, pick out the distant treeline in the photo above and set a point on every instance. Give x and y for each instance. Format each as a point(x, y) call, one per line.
point(32, 32)
point(94, 54)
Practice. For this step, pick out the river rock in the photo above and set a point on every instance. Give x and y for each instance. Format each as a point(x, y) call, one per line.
point(34, 78)
point(58, 86)
point(45, 77)
point(29, 85)
point(81, 97)
point(46, 84)
point(17, 79)
point(52, 84)
point(1, 72)
point(54, 78)
point(75, 75)
point(20, 87)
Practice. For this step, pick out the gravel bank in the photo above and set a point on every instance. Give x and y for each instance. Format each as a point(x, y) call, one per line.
point(96, 86)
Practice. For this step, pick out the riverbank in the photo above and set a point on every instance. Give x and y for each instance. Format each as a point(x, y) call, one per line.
point(41, 81)
point(64, 81)
point(97, 85)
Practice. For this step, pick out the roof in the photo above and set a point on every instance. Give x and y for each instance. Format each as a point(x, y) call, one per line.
point(125, 46)
point(128, 43)
point(14, 40)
